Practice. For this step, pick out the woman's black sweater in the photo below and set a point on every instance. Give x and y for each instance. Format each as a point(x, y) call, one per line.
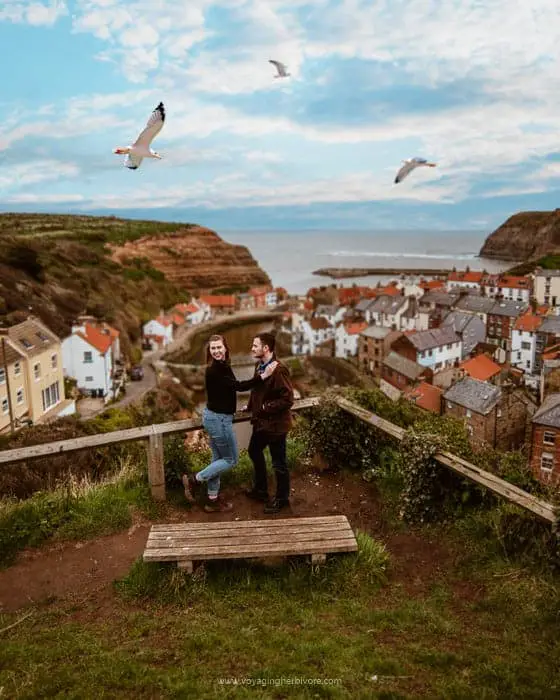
point(221, 387)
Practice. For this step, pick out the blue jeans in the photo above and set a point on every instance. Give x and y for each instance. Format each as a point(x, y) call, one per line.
point(219, 427)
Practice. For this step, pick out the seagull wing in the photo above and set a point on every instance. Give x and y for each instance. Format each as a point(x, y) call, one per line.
point(280, 67)
point(132, 161)
point(152, 128)
point(405, 170)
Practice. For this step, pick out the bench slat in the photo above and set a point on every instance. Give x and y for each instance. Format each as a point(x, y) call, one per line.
point(273, 522)
point(248, 551)
point(280, 538)
point(264, 531)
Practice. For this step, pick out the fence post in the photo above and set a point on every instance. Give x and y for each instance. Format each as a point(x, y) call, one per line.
point(156, 471)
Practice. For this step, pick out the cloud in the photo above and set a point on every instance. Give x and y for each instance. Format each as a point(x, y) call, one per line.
point(32, 173)
point(34, 13)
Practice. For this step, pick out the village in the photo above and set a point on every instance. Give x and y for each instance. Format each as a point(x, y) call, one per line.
point(482, 348)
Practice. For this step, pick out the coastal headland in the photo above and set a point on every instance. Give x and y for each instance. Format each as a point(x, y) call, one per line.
point(342, 272)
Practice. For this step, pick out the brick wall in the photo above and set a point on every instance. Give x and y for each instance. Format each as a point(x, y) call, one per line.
point(538, 447)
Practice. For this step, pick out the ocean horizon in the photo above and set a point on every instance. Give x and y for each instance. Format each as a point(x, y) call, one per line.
point(290, 257)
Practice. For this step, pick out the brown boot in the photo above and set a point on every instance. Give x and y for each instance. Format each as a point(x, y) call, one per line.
point(217, 505)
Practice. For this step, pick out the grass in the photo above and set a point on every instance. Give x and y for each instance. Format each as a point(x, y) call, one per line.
point(241, 630)
point(78, 509)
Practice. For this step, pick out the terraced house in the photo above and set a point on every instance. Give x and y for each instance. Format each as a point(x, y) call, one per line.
point(31, 379)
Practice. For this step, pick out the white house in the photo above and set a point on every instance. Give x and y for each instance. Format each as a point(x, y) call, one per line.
point(437, 348)
point(346, 338)
point(271, 298)
point(310, 334)
point(159, 331)
point(410, 288)
point(387, 310)
point(332, 313)
point(514, 288)
point(524, 342)
point(459, 280)
point(547, 287)
point(87, 357)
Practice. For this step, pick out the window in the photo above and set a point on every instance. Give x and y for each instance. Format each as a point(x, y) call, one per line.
point(519, 354)
point(525, 346)
point(2, 375)
point(37, 370)
point(19, 396)
point(17, 369)
point(26, 344)
point(449, 346)
point(549, 437)
point(54, 361)
point(5, 408)
point(547, 300)
point(42, 337)
point(449, 404)
point(89, 379)
point(499, 413)
point(88, 356)
point(51, 396)
point(469, 413)
point(547, 462)
point(430, 353)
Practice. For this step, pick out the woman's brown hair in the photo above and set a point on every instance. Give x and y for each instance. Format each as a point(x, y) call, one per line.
point(213, 339)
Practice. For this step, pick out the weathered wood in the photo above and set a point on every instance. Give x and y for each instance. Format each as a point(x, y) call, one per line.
point(156, 471)
point(59, 447)
point(250, 539)
point(542, 509)
point(279, 523)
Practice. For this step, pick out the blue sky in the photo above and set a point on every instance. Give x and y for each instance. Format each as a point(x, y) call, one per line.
point(471, 85)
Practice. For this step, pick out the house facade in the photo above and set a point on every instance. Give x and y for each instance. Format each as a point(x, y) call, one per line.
point(546, 287)
point(501, 321)
point(346, 338)
point(159, 331)
point(545, 441)
point(374, 344)
point(464, 280)
point(470, 328)
point(398, 374)
point(437, 348)
point(87, 358)
point(34, 373)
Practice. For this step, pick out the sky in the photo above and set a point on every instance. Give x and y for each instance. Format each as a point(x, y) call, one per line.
point(471, 85)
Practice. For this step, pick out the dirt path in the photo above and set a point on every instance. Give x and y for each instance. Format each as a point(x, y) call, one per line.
point(85, 570)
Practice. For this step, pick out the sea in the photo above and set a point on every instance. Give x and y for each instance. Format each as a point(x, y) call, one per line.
point(290, 257)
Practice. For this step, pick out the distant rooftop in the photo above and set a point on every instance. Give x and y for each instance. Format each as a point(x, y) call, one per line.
point(474, 395)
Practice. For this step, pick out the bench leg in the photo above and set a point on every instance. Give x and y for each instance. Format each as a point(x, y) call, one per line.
point(318, 559)
point(185, 565)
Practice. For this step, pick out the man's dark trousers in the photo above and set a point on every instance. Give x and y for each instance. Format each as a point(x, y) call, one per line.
point(276, 443)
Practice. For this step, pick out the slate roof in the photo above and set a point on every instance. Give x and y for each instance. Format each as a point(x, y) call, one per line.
point(404, 366)
point(31, 337)
point(376, 332)
point(508, 307)
point(474, 395)
point(475, 304)
point(551, 325)
point(549, 412)
point(364, 304)
point(437, 296)
point(387, 305)
point(433, 338)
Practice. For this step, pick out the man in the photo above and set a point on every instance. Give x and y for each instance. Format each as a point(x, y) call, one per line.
point(270, 402)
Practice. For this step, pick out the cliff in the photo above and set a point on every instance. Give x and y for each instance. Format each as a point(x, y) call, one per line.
point(195, 258)
point(63, 266)
point(525, 236)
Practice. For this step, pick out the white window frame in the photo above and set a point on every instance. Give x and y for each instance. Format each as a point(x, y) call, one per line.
point(19, 396)
point(88, 357)
point(2, 375)
point(549, 442)
point(5, 406)
point(37, 371)
point(548, 457)
point(54, 361)
point(17, 368)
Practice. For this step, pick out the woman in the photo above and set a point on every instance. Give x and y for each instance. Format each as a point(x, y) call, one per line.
point(217, 419)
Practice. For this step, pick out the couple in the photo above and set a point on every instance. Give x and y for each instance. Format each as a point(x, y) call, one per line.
point(270, 401)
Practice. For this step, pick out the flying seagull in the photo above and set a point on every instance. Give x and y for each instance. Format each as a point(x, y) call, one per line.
point(140, 149)
point(408, 166)
point(281, 68)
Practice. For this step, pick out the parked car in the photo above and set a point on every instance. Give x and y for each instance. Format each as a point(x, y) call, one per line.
point(137, 372)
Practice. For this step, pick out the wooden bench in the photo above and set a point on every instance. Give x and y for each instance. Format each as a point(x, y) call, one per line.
point(247, 539)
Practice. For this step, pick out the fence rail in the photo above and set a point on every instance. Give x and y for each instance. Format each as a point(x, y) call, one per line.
point(154, 435)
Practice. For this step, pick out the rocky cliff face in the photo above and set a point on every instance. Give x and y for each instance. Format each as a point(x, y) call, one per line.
point(525, 236)
point(196, 259)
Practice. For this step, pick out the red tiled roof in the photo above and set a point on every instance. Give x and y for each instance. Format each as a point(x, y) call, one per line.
point(219, 300)
point(480, 367)
point(462, 276)
point(513, 282)
point(426, 285)
point(355, 327)
point(99, 340)
point(426, 396)
point(178, 319)
point(528, 322)
point(164, 321)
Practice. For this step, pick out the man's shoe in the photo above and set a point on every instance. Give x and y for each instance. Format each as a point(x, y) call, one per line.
point(255, 495)
point(275, 506)
point(217, 505)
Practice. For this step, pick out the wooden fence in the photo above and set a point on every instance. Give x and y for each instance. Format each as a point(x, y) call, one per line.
point(154, 434)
